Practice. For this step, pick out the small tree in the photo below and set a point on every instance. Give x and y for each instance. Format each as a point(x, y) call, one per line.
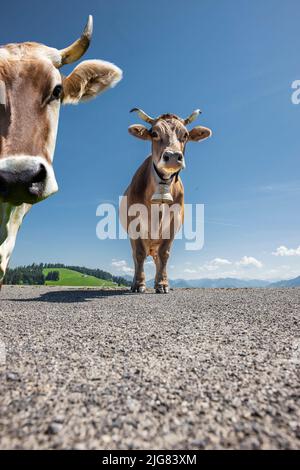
point(52, 276)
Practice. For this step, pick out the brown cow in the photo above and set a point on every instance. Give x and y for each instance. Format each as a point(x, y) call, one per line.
point(31, 92)
point(157, 183)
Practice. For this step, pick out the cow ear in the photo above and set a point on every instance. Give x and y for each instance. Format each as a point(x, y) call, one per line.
point(139, 131)
point(199, 133)
point(89, 79)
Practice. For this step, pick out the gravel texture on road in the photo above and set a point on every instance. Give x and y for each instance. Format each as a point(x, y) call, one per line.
point(195, 369)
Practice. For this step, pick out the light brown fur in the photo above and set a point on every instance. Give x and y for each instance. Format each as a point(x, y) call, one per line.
point(24, 124)
point(140, 192)
point(168, 134)
point(31, 92)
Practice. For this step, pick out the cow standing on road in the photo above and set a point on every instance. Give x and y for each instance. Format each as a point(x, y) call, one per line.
point(31, 92)
point(157, 181)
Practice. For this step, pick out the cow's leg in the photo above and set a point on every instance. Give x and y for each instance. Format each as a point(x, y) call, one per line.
point(161, 259)
point(139, 254)
point(11, 218)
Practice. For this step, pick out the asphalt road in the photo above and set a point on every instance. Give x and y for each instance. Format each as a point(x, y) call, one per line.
point(195, 369)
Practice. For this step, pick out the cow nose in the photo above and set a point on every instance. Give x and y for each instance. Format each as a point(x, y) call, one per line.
point(38, 176)
point(24, 186)
point(169, 155)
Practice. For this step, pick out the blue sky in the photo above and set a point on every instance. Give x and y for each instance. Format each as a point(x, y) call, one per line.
point(234, 59)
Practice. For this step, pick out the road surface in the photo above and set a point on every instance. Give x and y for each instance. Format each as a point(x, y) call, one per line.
point(195, 369)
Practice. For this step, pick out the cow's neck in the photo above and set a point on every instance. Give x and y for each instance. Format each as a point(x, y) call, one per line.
point(162, 192)
point(11, 218)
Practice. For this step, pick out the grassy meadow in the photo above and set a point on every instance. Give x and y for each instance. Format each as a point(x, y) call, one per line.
point(68, 277)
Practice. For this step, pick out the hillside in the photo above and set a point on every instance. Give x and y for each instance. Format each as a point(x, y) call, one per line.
point(289, 283)
point(68, 277)
point(62, 275)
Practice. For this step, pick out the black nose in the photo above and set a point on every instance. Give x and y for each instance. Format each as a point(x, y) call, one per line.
point(37, 178)
point(22, 186)
point(177, 156)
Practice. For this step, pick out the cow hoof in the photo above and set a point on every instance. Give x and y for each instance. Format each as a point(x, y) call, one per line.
point(162, 289)
point(159, 290)
point(139, 289)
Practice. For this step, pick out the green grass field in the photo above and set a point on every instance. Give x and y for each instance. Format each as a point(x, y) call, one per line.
point(68, 277)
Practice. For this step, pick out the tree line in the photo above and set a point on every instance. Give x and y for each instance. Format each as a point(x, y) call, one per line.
point(33, 274)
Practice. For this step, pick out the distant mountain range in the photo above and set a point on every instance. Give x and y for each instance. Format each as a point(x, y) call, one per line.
point(214, 283)
point(290, 283)
point(228, 283)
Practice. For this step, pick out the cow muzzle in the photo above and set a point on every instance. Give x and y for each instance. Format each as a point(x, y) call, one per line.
point(26, 179)
point(171, 161)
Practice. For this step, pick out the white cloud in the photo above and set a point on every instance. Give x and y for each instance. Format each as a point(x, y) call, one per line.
point(122, 266)
point(215, 264)
point(220, 262)
point(118, 263)
point(223, 267)
point(209, 267)
point(150, 262)
point(284, 251)
point(127, 270)
point(190, 271)
point(249, 261)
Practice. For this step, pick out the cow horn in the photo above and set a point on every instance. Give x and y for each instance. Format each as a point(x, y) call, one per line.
point(192, 117)
point(143, 115)
point(78, 48)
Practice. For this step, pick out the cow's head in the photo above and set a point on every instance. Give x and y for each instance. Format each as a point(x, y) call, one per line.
point(169, 136)
point(31, 92)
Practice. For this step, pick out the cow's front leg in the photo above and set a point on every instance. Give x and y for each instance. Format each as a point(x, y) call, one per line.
point(161, 259)
point(11, 218)
point(139, 256)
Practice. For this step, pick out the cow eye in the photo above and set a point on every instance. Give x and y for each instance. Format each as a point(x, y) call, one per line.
point(184, 137)
point(155, 135)
point(56, 93)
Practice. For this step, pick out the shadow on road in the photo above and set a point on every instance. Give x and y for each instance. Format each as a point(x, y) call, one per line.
point(71, 296)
